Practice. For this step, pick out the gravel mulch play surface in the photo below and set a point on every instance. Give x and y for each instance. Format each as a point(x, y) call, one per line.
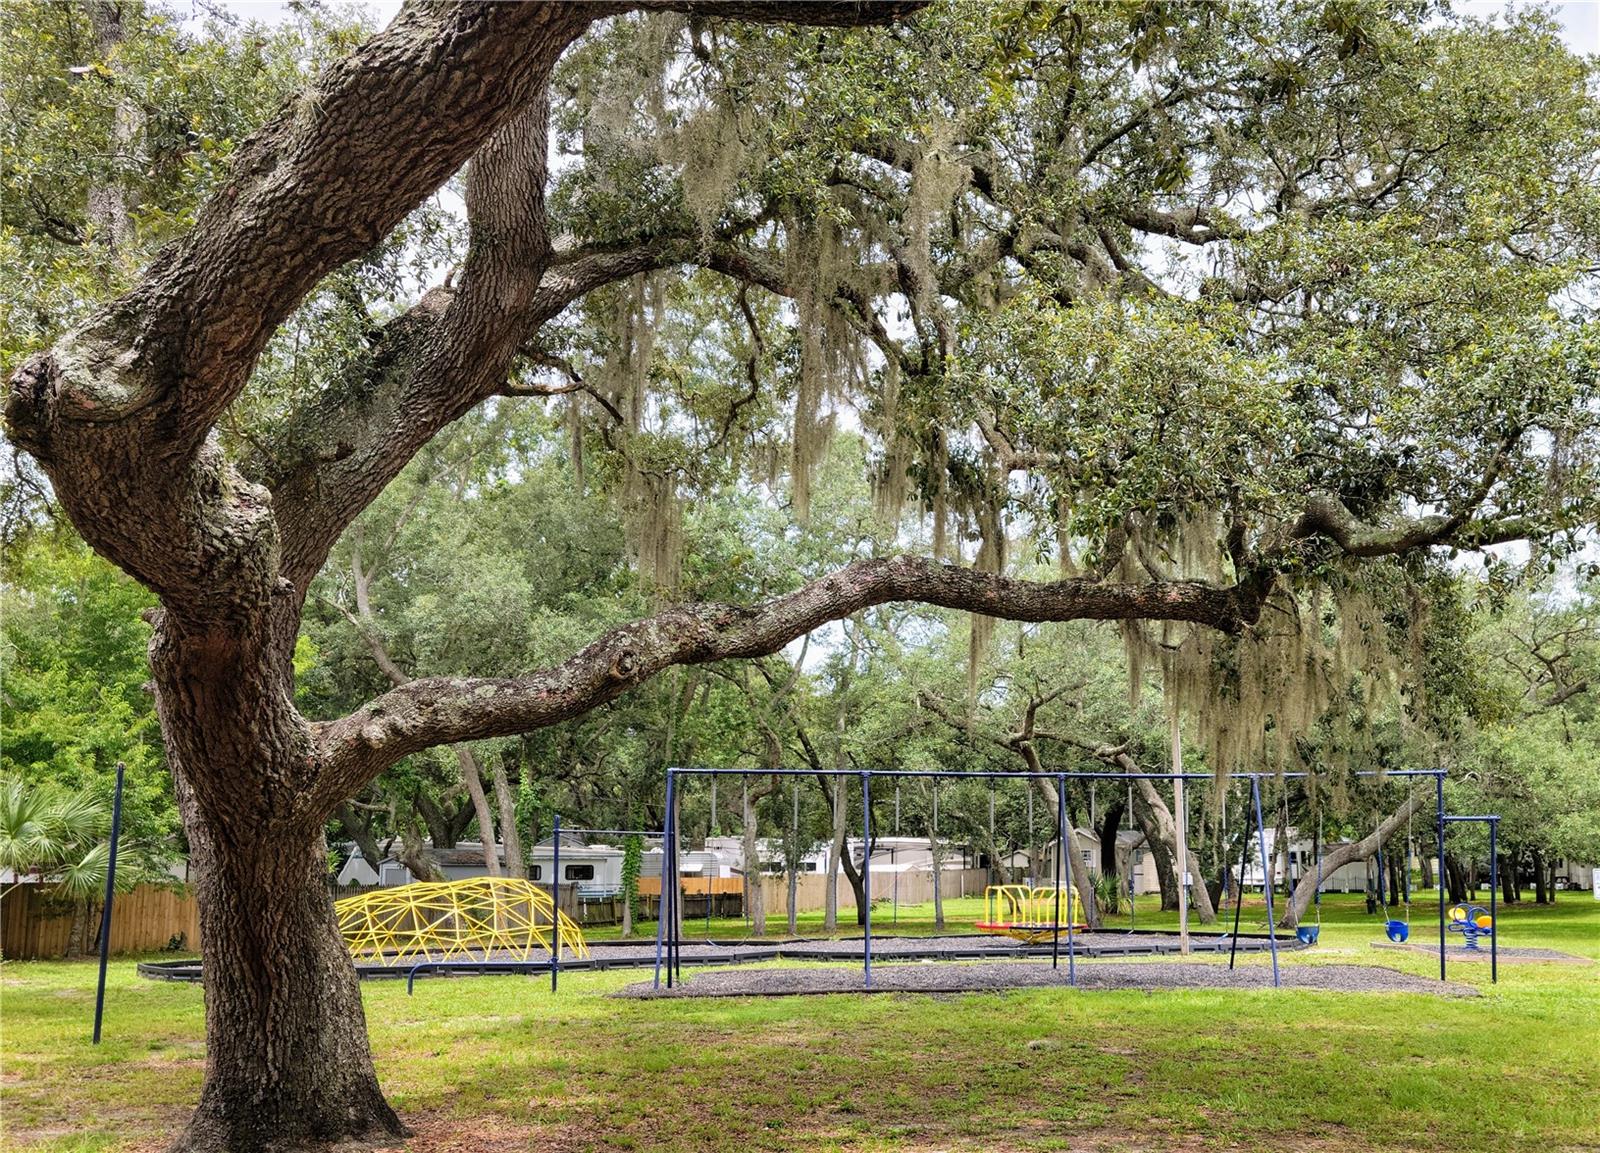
point(991, 976)
point(1457, 952)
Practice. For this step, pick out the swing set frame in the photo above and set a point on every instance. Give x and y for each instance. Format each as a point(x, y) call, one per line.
point(668, 958)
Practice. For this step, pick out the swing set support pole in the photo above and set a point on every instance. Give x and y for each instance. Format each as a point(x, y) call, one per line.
point(1438, 783)
point(1061, 857)
point(1494, 912)
point(1238, 897)
point(661, 899)
point(1261, 834)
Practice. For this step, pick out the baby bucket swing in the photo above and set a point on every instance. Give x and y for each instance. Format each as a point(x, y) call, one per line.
point(1308, 934)
point(1397, 929)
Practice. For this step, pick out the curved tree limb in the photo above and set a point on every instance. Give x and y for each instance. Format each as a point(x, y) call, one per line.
point(434, 711)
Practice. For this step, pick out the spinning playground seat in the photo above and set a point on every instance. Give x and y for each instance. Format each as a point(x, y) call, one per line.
point(1029, 914)
point(1472, 922)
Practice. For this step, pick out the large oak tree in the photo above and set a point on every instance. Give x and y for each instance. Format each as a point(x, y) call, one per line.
point(1297, 277)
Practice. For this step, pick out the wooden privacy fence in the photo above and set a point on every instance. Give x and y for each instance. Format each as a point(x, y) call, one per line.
point(146, 918)
point(693, 886)
point(811, 889)
point(915, 888)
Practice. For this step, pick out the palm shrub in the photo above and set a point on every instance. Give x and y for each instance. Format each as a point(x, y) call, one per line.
point(54, 836)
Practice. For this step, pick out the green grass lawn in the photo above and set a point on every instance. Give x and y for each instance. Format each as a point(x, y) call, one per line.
point(498, 1063)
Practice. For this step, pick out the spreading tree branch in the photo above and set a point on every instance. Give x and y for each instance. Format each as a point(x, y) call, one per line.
point(436, 710)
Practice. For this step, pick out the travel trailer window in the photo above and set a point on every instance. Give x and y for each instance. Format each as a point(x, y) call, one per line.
point(538, 872)
point(580, 872)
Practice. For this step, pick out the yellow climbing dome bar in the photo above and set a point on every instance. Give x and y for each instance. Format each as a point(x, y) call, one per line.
point(1028, 914)
point(503, 917)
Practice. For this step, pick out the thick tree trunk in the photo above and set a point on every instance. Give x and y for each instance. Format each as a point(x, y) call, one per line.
point(1541, 891)
point(830, 907)
point(287, 1059)
point(1425, 862)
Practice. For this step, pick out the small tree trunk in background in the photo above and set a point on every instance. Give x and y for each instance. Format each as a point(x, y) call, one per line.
point(511, 839)
point(857, 886)
point(79, 936)
point(108, 201)
point(472, 777)
point(794, 898)
point(755, 894)
point(830, 908)
point(1160, 850)
point(1510, 890)
point(1456, 883)
point(1541, 889)
point(415, 857)
point(936, 853)
point(1426, 862)
point(1110, 866)
point(1166, 828)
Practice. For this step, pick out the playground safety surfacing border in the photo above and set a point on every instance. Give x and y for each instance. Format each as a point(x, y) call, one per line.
point(886, 948)
point(999, 976)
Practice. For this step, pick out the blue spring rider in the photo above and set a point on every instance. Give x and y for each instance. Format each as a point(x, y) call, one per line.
point(1472, 922)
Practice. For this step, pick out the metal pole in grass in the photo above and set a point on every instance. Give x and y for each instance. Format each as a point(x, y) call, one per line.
point(1261, 835)
point(1072, 951)
point(866, 871)
point(677, 895)
point(555, 905)
point(1494, 890)
point(661, 898)
point(1238, 895)
point(1132, 922)
point(1438, 782)
point(677, 888)
point(105, 911)
point(1181, 832)
point(1061, 856)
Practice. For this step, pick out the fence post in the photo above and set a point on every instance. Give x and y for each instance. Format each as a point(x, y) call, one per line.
point(105, 913)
